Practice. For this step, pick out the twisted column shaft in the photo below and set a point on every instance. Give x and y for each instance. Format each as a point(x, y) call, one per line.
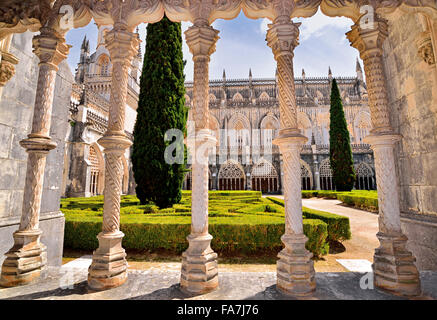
point(393, 265)
point(51, 49)
point(27, 258)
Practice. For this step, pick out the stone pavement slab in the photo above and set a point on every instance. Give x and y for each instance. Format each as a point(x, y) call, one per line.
point(164, 285)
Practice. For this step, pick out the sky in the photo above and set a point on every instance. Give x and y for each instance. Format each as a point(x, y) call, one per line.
point(242, 45)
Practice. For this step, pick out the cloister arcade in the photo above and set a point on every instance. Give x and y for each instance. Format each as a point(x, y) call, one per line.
point(393, 266)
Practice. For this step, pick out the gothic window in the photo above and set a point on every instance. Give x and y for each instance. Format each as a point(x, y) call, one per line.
point(238, 97)
point(231, 176)
point(265, 177)
point(365, 177)
point(307, 176)
point(326, 182)
point(264, 96)
point(103, 64)
point(94, 172)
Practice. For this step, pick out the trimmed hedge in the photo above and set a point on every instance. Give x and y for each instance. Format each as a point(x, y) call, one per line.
point(227, 238)
point(338, 226)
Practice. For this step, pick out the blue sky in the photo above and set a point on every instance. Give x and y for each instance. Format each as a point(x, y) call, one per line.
point(242, 46)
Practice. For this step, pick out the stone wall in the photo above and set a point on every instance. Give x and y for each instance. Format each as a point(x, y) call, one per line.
point(16, 110)
point(413, 101)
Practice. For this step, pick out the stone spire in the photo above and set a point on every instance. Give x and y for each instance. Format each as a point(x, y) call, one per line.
point(330, 74)
point(84, 43)
point(224, 75)
point(303, 74)
point(359, 71)
point(250, 76)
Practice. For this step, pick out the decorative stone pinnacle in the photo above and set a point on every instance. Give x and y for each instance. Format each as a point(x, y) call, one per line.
point(283, 37)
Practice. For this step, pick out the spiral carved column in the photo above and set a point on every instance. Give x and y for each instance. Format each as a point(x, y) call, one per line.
point(109, 266)
point(393, 265)
point(295, 269)
point(199, 262)
point(27, 258)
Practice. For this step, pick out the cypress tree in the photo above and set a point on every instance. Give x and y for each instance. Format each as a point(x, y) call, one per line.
point(342, 163)
point(161, 107)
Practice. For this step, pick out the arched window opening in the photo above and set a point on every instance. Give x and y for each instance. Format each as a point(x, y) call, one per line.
point(307, 176)
point(326, 181)
point(95, 175)
point(231, 177)
point(265, 177)
point(365, 177)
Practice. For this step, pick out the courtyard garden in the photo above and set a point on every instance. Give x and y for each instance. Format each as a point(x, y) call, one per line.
point(241, 222)
point(361, 199)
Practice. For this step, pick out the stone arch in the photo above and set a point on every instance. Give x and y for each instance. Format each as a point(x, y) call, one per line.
point(240, 128)
point(237, 97)
point(125, 181)
point(97, 171)
point(264, 176)
point(362, 126)
point(365, 177)
point(214, 126)
point(264, 96)
point(231, 176)
point(307, 175)
point(269, 129)
point(305, 125)
point(211, 97)
point(326, 181)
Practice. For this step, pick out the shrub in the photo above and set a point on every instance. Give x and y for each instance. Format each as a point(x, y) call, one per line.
point(227, 238)
point(338, 226)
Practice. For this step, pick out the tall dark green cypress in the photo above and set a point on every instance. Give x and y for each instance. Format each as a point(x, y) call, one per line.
point(161, 107)
point(342, 163)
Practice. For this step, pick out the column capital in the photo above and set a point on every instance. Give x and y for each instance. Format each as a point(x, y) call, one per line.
point(201, 40)
point(368, 40)
point(386, 139)
point(122, 45)
point(283, 37)
point(50, 47)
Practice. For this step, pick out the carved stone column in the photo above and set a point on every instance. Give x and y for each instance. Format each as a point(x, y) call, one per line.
point(199, 262)
point(393, 265)
point(109, 266)
point(295, 269)
point(27, 258)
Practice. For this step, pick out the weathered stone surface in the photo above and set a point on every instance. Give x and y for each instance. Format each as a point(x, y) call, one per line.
point(412, 98)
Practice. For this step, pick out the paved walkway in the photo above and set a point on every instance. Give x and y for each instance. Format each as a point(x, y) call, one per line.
point(364, 226)
point(63, 284)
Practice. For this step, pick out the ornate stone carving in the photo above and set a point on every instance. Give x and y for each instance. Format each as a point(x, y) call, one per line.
point(393, 265)
point(27, 258)
point(109, 266)
point(369, 43)
point(199, 262)
point(7, 67)
point(295, 270)
point(426, 50)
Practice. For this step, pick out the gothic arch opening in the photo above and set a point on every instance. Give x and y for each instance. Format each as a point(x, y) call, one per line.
point(326, 181)
point(231, 176)
point(307, 176)
point(265, 178)
point(188, 180)
point(96, 179)
point(365, 177)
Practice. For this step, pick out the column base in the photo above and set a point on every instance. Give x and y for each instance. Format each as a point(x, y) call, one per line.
point(295, 269)
point(109, 266)
point(199, 266)
point(25, 261)
point(394, 269)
